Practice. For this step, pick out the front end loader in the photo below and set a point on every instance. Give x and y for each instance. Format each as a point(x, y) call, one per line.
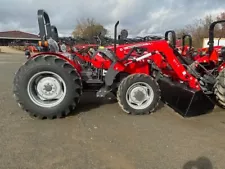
point(50, 84)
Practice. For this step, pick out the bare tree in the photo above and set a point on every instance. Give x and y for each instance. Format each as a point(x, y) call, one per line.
point(200, 29)
point(220, 32)
point(88, 28)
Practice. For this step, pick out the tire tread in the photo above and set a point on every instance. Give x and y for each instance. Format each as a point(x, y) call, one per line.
point(128, 80)
point(219, 89)
point(48, 60)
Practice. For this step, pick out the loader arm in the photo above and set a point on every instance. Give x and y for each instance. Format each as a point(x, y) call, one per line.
point(185, 98)
point(167, 53)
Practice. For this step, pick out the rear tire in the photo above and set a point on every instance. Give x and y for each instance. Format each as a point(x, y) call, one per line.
point(47, 87)
point(138, 94)
point(220, 89)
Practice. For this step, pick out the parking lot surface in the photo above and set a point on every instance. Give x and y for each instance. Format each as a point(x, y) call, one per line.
point(99, 135)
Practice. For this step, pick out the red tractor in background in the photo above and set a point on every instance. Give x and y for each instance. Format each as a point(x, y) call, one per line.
point(211, 59)
point(190, 54)
point(50, 84)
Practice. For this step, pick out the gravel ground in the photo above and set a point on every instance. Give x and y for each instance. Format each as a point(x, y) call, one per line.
point(100, 136)
point(6, 49)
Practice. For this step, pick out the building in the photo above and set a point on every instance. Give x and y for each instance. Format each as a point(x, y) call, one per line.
point(9, 38)
point(217, 41)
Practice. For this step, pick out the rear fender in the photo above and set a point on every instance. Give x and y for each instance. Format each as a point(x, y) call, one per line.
point(204, 59)
point(214, 56)
point(75, 64)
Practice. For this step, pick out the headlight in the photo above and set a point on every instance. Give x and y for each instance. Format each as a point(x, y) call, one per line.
point(63, 48)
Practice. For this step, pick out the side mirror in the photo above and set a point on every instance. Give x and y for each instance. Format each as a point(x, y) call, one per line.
point(124, 34)
point(102, 33)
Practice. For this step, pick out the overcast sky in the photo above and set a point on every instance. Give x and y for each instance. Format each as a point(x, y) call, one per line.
point(140, 17)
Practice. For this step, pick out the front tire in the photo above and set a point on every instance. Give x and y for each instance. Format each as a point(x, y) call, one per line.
point(47, 87)
point(138, 94)
point(220, 89)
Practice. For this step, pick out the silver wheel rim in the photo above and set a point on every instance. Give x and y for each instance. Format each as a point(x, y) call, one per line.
point(139, 95)
point(46, 89)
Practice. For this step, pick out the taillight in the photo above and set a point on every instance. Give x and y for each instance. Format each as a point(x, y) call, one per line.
point(45, 43)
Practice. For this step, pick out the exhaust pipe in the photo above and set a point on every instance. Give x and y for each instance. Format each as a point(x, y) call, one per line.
point(115, 35)
point(219, 41)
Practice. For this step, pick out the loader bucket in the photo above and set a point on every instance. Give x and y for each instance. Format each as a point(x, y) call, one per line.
point(187, 102)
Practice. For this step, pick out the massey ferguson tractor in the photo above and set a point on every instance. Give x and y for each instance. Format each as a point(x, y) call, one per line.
point(50, 84)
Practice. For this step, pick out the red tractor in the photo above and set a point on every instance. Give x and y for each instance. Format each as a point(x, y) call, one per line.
point(50, 84)
point(190, 54)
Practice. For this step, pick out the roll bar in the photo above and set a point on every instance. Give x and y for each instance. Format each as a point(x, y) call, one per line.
point(211, 35)
point(44, 24)
point(173, 37)
point(189, 41)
